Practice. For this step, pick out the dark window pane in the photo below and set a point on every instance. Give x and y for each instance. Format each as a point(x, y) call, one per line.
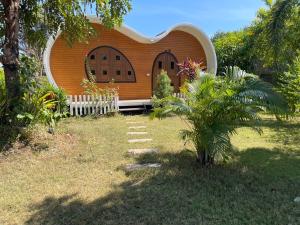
point(93, 72)
point(104, 72)
point(118, 57)
point(104, 57)
point(129, 73)
point(92, 57)
point(172, 65)
point(160, 64)
point(118, 72)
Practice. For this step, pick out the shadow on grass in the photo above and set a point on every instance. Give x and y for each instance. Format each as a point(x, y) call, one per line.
point(182, 193)
point(285, 132)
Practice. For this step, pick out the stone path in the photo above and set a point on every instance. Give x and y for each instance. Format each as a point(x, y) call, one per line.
point(139, 151)
point(138, 127)
point(139, 140)
point(134, 122)
point(133, 167)
point(142, 151)
point(137, 133)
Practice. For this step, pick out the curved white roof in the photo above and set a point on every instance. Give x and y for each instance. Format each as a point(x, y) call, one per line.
point(131, 33)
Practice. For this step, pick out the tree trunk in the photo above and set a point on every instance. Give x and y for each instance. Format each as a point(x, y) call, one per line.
point(10, 58)
point(204, 159)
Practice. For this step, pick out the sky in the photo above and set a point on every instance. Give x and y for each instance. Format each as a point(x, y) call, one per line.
point(151, 17)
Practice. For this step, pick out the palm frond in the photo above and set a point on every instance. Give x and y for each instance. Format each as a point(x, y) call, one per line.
point(280, 11)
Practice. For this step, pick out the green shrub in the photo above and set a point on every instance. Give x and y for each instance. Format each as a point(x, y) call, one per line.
point(163, 86)
point(40, 101)
point(289, 85)
point(216, 106)
point(56, 94)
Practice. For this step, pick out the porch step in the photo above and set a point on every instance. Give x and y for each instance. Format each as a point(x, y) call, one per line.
point(131, 109)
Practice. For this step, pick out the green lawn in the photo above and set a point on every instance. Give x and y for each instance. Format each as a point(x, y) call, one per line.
point(76, 178)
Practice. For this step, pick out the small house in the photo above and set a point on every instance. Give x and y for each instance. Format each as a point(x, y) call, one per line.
point(126, 60)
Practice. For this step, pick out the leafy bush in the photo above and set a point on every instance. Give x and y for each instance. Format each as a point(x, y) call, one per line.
point(230, 50)
point(163, 86)
point(216, 106)
point(40, 102)
point(57, 95)
point(289, 85)
point(47, 105)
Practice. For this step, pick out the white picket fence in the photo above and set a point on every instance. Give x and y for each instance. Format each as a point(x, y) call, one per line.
point(81, 105)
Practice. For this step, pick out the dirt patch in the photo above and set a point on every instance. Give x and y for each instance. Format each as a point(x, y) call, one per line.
point(38, 141)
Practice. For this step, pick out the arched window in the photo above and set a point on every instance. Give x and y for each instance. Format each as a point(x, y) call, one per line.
point(109, 64)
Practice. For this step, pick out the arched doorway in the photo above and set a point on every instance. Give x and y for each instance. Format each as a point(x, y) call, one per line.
point(168, 62)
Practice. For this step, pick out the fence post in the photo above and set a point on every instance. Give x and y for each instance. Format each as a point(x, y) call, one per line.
point(75, 105)
point(84, 104)
point(117, 102)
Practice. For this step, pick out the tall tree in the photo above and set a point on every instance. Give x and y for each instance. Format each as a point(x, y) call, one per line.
point(279, 25)
point(36, 20)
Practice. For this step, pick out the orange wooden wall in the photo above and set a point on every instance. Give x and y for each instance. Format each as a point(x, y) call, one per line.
point(68, 69)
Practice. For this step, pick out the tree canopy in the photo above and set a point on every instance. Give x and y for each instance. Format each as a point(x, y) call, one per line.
point(33, 21)
point(267, 46)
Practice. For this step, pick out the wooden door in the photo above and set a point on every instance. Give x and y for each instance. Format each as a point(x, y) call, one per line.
point(168, 62)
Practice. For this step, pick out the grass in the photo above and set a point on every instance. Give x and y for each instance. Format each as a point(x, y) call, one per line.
point(79, 179)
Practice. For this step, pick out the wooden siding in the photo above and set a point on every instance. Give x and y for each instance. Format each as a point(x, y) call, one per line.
point(68, 69)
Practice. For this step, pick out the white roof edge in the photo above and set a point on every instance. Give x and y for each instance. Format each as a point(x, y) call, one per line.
point(203, 39)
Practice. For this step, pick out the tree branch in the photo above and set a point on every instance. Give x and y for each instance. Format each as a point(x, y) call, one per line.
point(1, 59)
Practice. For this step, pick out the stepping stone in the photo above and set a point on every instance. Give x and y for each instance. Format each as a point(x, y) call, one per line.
point(133, 167)
point(134, 122)
point(139, 140)
point(142, 151)
point(137, 133)
point(138, 127)
point(297, 200)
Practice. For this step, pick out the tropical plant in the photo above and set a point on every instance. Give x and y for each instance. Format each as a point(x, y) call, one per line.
point(39, 108)
point(268, 45)
point(214, 107)
point(56, 94)
point(281, 12)
point(191, 69)
point(289, 85)
point(163, 86)
point(284, 30)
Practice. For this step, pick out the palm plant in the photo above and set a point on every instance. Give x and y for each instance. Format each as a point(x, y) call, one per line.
point(215, 107)
point(281, 11)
